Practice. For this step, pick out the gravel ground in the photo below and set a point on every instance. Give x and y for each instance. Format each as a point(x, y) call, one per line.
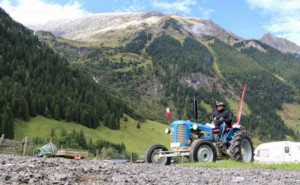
point(29, 170)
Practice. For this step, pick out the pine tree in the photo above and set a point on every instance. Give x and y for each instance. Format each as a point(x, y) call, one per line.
point(7, 123)
point(56, 113)
point(24, 113)
point(81, 140)
point(52, 133)
point(33, 107)
point(138, 126)
point(68, 114)
point(63, 132)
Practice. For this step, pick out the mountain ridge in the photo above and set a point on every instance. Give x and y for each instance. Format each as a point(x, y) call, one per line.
point(101, 26)
point(127, 24)
point(283, 45)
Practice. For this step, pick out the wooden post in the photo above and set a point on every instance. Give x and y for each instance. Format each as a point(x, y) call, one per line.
point(24, 146)
point(2, 138)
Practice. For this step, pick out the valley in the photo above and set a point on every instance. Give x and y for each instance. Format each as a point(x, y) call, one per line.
point(135, 139)
point(85, 74)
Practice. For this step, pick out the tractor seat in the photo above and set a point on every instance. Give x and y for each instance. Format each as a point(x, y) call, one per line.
point(217, 130)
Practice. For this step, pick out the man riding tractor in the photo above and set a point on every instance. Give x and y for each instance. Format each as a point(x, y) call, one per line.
point(222, 119)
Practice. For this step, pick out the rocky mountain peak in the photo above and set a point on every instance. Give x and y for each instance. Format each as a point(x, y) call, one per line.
point(281, 44)
point(153, 13)
point(116, 27)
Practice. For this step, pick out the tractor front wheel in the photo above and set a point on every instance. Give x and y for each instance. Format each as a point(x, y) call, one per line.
point(203, 151)
point(152, 155)
point(241, 147)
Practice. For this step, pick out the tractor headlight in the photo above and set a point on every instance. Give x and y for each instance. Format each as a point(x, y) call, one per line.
point(195, 127)
point(167, 131)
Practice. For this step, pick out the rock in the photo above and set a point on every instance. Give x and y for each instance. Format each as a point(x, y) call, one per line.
point(7, 177)
point(28, 170)
point(238, 179)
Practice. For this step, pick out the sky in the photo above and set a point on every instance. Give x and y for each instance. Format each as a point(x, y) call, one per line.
point(249, 19)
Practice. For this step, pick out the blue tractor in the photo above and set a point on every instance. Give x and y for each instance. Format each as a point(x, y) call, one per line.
point(200, 143)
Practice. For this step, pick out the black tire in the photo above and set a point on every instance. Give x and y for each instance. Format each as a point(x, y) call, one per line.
point(203, 151)
point(241, 147)
point(152, 155)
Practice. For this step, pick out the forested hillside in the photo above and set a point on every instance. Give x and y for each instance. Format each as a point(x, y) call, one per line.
point(265, 93)
point(283, 65)
point(173, 61)
point(154, 72)
point(36, 80)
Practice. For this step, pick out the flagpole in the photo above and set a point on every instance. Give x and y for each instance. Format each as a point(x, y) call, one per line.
point(239, 115)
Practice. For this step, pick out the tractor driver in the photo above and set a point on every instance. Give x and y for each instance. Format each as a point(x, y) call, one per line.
point(221, 116)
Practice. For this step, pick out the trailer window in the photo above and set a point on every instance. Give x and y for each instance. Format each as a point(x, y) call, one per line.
point(287, 149)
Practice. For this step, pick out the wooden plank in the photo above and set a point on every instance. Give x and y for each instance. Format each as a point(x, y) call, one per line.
point(7, 142)
point(139, 161)
point(8, 150)
point(70, 153)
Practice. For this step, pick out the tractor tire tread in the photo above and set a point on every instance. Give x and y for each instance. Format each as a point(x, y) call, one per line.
point(235, 145)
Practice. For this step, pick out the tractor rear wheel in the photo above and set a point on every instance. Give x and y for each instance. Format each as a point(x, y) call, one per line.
point(152, 155)
point(203, 151)
point(241, 147)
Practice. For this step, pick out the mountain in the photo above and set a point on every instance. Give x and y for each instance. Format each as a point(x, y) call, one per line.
point(150, 61)
point(285, 66)
point(115, 28)
point(281, 44)
point(156, 61)
point(35, 80)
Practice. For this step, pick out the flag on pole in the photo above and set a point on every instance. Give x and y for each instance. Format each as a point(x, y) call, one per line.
point(168, 113)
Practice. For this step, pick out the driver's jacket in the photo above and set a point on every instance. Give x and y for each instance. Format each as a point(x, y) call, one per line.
point(227, 117)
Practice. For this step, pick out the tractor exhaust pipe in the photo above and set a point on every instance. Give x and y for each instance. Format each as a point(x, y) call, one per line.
point(195, 110)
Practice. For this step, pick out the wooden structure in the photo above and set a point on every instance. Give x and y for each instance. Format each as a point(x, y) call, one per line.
point(73, 154)
point(10, 147)
point(139, 161)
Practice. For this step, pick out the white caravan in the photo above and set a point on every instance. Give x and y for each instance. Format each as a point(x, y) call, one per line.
point(278, 152)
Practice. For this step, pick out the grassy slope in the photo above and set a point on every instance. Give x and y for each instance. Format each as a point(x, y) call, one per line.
point(233, 164)
point(136, 140)
point(290, 114)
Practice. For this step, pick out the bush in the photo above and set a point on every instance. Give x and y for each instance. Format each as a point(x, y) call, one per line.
point(138, 126)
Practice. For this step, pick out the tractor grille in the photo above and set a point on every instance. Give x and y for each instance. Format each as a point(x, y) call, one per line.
point(181, 134)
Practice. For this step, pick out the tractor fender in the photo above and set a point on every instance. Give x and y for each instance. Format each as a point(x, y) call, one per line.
point(231, 134)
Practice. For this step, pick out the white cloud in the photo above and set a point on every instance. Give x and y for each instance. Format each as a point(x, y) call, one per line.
point(284, 17)
point(183, 6)
point(205, 13)
point(276, 5)
point(31, 12)
point(134, 6)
